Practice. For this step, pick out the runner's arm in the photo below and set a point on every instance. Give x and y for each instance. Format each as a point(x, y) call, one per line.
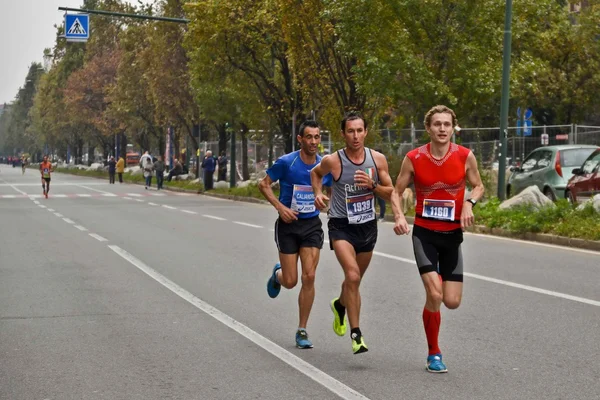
point(316, 180)
point(265, 188)
point(474, 178)
point(385, 187)
point(402, 182)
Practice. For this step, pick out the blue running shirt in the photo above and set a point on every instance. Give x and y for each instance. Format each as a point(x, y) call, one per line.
point(294, 183)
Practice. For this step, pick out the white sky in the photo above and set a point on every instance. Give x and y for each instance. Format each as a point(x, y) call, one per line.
point(26, 29)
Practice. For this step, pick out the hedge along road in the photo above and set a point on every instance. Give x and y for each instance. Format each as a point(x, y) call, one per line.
point(164, 296)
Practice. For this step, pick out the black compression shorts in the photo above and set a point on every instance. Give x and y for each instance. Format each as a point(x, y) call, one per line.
point(439, 252)
point(304, 232)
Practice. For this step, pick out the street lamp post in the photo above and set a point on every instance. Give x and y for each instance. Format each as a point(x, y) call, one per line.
point(505, 100)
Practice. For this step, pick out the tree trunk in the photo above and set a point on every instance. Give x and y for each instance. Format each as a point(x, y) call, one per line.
point(245, 171)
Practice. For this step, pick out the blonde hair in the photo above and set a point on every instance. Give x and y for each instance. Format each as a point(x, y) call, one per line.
point(439, 109)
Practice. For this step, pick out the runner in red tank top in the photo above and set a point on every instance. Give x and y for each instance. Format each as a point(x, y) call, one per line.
point(439, 170)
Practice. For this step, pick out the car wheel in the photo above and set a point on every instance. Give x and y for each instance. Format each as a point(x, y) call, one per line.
point(569, 197)
point(549, 194)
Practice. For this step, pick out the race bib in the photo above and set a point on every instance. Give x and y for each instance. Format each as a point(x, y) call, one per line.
point(46, 173)
point(303, 199)
point(360, 208)
point(442, 210)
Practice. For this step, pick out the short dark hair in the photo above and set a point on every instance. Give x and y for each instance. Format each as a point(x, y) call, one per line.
point(351, 116)
point(309, 123)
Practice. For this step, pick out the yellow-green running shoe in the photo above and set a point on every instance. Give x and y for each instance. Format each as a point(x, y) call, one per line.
point(339, 326)
point(359, 345)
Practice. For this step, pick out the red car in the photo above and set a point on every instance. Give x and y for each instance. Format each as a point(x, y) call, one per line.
point(585, 182)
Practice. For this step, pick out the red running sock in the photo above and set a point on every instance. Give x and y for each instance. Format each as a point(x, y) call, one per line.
point(432, 322)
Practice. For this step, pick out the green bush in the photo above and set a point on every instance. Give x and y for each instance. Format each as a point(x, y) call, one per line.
point(563, 219)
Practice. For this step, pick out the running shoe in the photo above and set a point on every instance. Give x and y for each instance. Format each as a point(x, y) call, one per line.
point(435, 364)
point(274, 287)
point(339, 326)
point(46, 194)
point(358, 344)
point(302, 341)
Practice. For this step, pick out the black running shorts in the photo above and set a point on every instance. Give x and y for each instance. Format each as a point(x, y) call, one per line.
point(46, 179)
point(304, 232)
point(439, 252)
point(361, 236)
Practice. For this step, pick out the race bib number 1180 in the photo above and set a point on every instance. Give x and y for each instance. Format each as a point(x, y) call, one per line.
point(442, 210)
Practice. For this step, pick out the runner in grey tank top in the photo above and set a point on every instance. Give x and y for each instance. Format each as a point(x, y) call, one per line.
point(359, 174)
point(348, 200)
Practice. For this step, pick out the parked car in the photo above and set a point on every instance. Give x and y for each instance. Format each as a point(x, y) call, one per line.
point(549, 168)
point(585, 182)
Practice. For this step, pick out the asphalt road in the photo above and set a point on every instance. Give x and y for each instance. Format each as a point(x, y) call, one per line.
point(115, 292)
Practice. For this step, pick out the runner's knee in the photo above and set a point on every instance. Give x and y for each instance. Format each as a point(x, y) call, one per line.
point(352, 280)
point(308, 278)
point(288, 282)
point(452, 301)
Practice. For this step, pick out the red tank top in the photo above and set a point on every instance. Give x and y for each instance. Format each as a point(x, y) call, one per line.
point(440, 187)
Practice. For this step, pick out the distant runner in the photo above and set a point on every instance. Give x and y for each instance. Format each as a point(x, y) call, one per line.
point(45, 170)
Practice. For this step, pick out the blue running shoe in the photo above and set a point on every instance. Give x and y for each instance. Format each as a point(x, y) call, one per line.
point(435, 364)
point(302, 341)
point(274, 287)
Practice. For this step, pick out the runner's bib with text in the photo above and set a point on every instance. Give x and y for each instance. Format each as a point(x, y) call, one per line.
point(360, 208)
point(442, 210)
point(46, 173)
point(303, 199)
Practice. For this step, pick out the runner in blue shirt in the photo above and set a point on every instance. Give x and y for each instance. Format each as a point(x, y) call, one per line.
point(298, 230)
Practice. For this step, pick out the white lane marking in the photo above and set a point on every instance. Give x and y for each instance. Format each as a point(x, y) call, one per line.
point(152, 204)
point(42, 206)
point(247, 224)
point(127, 198)
point(169, 207)
point(61, 196)
point(182, 194)
point(36, 202)
point(109, 195)
point(84, 195)
point(51, 209)
point(139, 200)
point(81, 228)
point(68, 221)
point(59, 215)
point(94, 190)
point(534, 289)
point(9, 196)
point(554, 246)
point(189, 212)
point(505, 283)
point(299, 364)
point(157, 194)
point(134, 194)
point(14, 188)
point(213, 217)
point(98, 237)
point(36, 196)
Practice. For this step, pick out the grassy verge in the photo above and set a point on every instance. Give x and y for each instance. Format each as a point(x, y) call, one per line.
point(127, 177)
point(562, 220)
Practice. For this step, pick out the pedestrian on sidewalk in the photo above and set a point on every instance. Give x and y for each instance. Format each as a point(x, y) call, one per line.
point(112, 168)
point(208, 165)
point(148, 170)
point(120, 168)
point(176, 170)
point(159, 168)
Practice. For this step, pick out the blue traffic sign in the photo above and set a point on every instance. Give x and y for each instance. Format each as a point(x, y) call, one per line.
point(528, 113)
point(77, 27)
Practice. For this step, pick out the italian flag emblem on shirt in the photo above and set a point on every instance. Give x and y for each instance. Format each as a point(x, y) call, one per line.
point(370, 172)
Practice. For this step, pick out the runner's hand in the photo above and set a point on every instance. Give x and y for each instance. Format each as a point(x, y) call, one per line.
point(361, 178)
point(466, 216)
point(321, 201)
point(401, 226)
point(287, 215)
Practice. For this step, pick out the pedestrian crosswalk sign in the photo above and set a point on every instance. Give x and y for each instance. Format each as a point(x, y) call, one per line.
point(77, 27)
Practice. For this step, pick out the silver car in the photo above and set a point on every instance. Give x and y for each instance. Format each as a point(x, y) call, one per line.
point(549, 168)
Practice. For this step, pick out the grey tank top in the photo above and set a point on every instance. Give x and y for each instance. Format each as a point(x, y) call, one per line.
point(348, 200)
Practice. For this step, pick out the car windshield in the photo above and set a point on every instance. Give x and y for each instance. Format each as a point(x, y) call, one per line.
point(574, 157)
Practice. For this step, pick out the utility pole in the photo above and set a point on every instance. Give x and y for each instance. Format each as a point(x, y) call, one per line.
point(505, 100)
point(232, 163)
